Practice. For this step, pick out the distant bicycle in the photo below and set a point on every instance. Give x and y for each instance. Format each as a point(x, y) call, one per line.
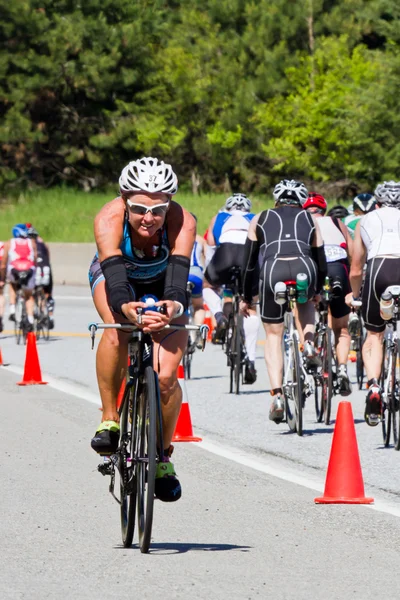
point(235, 347)
point(21, 324)
point(325, 376)
point(41, 314)
point(141, 435)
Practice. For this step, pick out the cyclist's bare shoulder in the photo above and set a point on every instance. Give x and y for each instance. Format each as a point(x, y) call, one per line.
point(108, 227)
point(181, 226)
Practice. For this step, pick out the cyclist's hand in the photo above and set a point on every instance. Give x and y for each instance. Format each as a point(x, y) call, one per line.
point(129, 309)
point(244, 308)
point(171, 309)
point(349, 299)
point(2, 284)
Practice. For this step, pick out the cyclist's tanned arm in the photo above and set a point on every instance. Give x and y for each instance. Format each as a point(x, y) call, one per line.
point(358, 262)
point(251, 250)
point(108, 229)
point(4, 260)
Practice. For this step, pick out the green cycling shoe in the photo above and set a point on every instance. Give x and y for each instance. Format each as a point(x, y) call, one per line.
point(106, 438)
point(167, 486)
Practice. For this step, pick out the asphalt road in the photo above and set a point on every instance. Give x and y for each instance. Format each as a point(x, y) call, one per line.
point(246, 526)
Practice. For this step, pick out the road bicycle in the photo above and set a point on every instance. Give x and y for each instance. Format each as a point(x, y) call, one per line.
point(21, 324)
point(41, 313)
point(141, 444)
point(234, 335)
point(357, 332)
point(389, 380)
point(296, 381)
point(194, 340)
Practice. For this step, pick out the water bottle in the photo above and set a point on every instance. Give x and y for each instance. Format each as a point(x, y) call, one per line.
point(302, 288)
point(150, 300)
point(386, 306)
point(46, 276)
point(326, 289)
point(280, 292)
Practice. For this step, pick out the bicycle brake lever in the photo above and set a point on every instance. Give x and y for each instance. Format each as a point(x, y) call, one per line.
point(92, 329)
point(204, 329)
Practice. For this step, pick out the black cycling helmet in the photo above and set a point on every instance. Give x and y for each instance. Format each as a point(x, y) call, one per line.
point(338, 211)
point(364, 202)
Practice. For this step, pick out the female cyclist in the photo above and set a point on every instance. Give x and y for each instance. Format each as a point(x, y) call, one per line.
point(144, 242)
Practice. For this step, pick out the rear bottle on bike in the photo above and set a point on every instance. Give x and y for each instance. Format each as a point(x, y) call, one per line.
point(302, 288)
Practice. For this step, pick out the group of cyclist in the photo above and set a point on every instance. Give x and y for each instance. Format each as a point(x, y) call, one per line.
point(147, 243)
point(25, 253)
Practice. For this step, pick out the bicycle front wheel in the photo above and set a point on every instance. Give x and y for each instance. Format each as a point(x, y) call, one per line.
point(146, 456)
point(127, 443)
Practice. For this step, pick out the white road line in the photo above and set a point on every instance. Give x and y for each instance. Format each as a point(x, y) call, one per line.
point(263, 465)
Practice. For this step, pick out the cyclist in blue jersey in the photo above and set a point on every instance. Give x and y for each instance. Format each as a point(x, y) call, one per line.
point(227, 234)
point(144, 243)
point(196, 276)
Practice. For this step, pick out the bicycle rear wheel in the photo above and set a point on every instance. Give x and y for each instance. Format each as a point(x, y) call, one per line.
point(386, 409)
point(238, 352)
point(293, 391)
point(327, 378)
point(127, 466)
point(19, 319)
point(146, 456)
point(395, 398)
point(230, 337)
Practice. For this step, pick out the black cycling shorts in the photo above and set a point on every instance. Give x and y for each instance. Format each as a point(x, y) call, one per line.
point(226, 256)
point(381, 272)
point(339, 271)
point(274, 270)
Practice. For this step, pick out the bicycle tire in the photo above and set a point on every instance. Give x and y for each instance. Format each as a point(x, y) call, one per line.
point(18, 319)
point(238, 352)
point(396, 400)
point(327, 386)
point(318, 396)
point(128, 427)
point(294, 396)
point(230, 350)
point(146, 456)
point(386, 410)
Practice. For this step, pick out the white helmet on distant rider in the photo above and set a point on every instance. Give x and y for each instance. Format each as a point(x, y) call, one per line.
point(238, 202)
point(388, 193)
point(148, 175)
point(289, 191)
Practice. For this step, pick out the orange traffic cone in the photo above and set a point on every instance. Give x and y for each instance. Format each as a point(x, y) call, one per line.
point(1, 359)
point(184, 430)
point(209, 322)
point(344, 481)
point(32, 373)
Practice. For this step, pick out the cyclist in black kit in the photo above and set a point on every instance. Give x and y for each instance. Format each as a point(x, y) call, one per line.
point(285, 241)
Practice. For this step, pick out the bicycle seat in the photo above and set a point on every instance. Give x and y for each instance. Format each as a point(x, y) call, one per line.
point(290, 282)
point(235, 271)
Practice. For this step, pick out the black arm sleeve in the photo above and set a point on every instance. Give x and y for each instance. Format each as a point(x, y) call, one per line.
point(176, 279)
point(117, 285)
point(318, 255)
point(249, 264)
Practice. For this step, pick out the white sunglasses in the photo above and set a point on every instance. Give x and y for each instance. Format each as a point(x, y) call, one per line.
point(158, 210)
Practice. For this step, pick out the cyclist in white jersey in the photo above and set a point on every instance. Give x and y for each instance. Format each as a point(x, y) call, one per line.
point(338, 247)
point(227, 234)
point(377, 242)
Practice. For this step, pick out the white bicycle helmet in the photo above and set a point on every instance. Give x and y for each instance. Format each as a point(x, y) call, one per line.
point(238, 202)
point(388, 193)
point(148, 175)
point(289, 191)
